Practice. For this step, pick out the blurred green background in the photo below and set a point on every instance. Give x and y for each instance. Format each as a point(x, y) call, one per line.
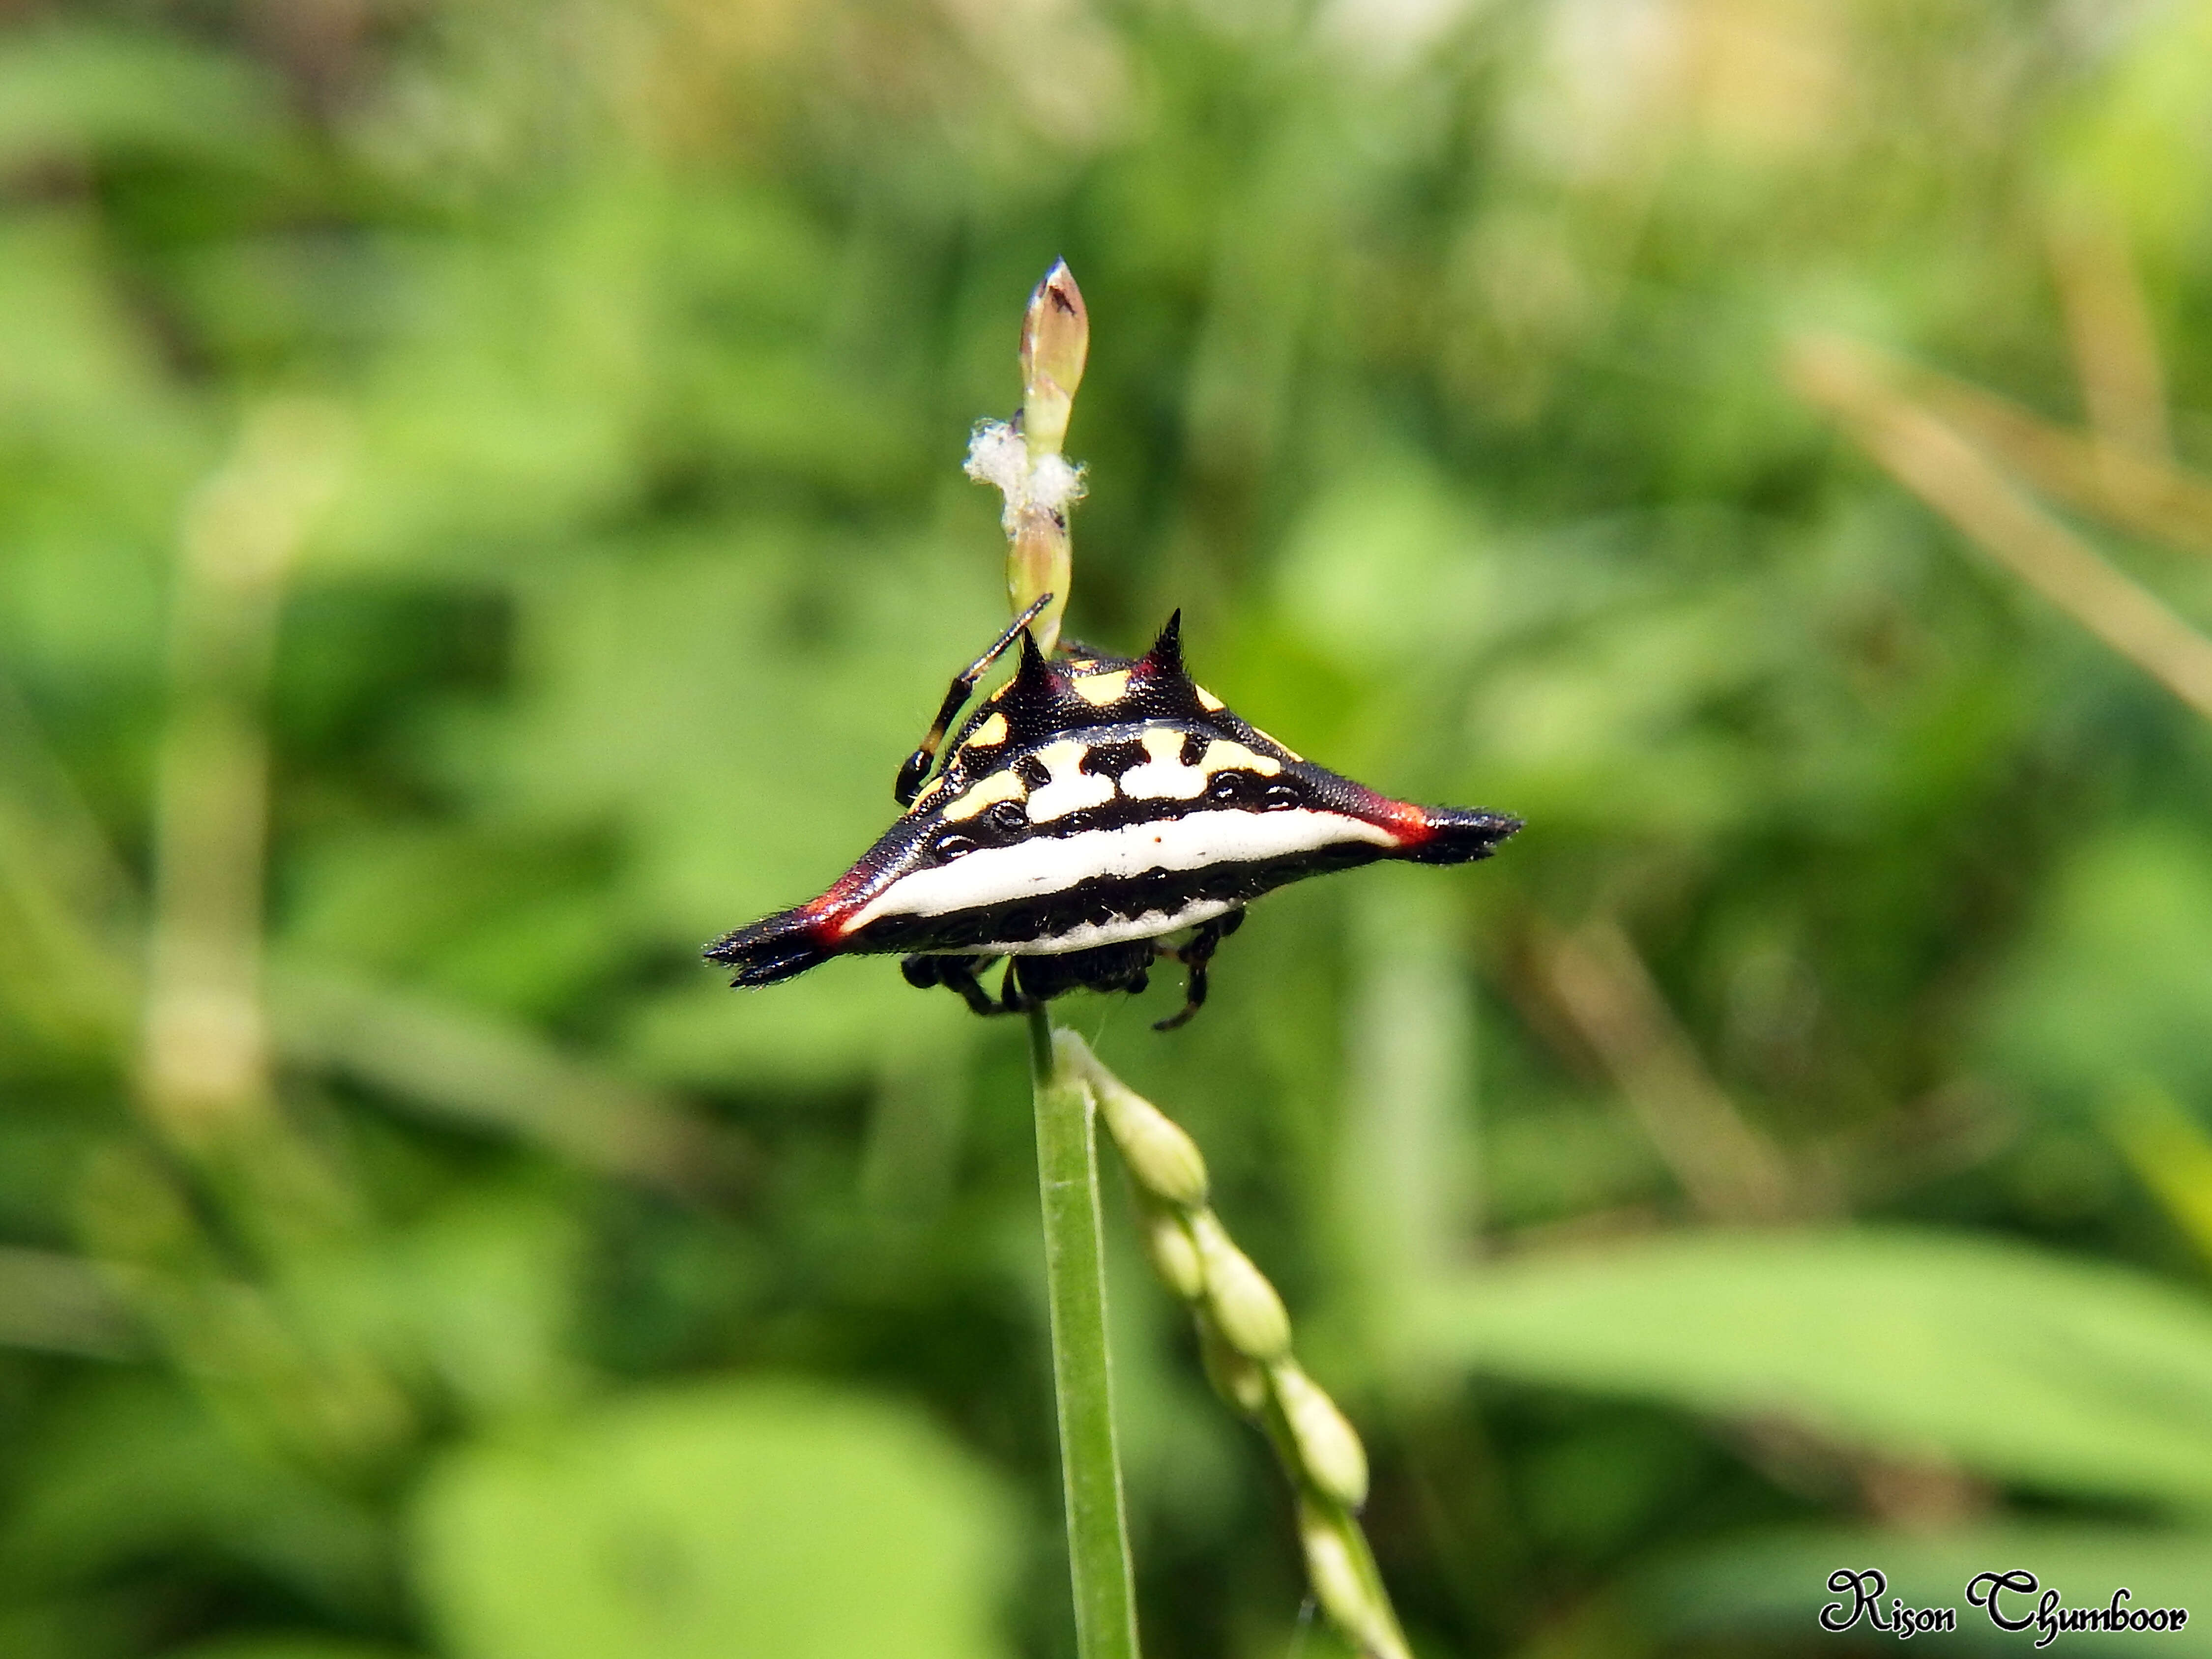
point(480, 514)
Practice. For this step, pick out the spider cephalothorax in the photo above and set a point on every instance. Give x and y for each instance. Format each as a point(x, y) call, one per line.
point(1091, 806)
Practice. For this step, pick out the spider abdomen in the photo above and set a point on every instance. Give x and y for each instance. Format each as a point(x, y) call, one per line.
point(1086, 806)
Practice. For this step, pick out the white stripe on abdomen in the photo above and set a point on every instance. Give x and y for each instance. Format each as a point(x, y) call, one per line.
point(1151, 924)
point(1042, 865)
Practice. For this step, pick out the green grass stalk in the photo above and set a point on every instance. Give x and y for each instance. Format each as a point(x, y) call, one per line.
point(1083, 1382)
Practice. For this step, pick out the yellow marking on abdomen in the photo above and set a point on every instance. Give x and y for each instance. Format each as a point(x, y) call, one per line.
point(1000, 786)
point(1223, 756)
point(1099, 689)
point(989, 735)
point(1207, 701)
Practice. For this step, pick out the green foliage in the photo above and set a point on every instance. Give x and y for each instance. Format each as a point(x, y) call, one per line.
point(2017, 1364)
point(2117, 980)
point(732, 1519)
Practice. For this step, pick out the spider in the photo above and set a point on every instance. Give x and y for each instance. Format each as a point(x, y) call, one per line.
point(1090, 807)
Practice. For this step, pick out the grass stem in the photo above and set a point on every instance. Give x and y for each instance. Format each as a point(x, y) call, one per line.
point(1082, 1386)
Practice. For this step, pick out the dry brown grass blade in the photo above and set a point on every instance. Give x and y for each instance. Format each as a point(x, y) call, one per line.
point(1929, 456)
point(1729, 1170)
point(204, 1062)
point(2126, 488)
point(2108, 324)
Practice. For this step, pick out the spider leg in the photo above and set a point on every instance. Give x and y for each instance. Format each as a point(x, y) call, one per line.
point(956, 974)
point(1194, 998)
point(1195, 956)
point(963, 980)
point(918, 763)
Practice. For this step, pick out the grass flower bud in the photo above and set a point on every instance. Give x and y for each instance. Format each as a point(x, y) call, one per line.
point(1165, 1161)
point(1238, 1296)
point(1055, 343)
point(1329, 1446)
point(1023, 461)
point(1174, 1253)
point(1336, 1567)
point(1235, 1378)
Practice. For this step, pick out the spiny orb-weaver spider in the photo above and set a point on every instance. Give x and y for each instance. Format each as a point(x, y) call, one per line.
point(1091, 805)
